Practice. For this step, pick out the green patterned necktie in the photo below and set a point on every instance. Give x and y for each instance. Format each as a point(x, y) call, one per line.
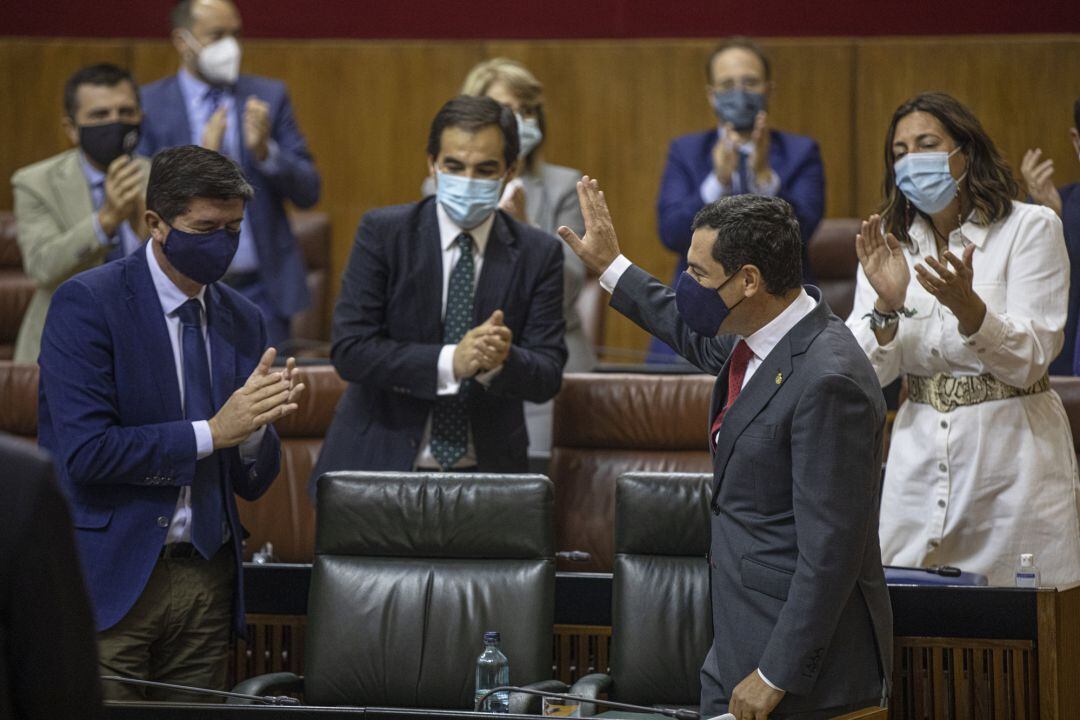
point(450, 419)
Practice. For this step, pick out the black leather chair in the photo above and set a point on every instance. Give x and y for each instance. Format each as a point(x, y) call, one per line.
point(410, 570)
point(661, 620)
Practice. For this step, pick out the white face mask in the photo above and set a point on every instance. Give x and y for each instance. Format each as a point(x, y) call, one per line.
point(218, 62)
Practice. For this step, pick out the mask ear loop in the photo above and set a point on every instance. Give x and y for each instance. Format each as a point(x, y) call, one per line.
point(959, 217)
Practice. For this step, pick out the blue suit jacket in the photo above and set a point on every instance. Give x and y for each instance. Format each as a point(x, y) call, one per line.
point(165, 124)
point(388, 330)
point(1065, 363)
point(110, 413)
point(794, 158)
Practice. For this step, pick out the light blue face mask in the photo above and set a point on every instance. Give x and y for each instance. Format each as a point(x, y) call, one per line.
point(529, 134)
point(468, 201)
point(925, 180)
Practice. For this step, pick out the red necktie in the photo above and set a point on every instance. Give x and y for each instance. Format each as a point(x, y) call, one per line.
point(740, 359)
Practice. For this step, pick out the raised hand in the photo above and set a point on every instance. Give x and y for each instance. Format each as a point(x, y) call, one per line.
point(264, 398)
point(759, 156)
point(484, 347)
point(1039, 179)
point(952, 286)
point(257, 127)
point(123, 190)
point(600, 246)
point(214, 132)
point(884, 263)
point(725, 156)
point(514, 203)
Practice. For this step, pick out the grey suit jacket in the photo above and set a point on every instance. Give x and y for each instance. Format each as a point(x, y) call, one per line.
point(54, 219)
point(797, 584)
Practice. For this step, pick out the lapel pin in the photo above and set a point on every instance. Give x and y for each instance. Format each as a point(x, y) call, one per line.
point(779, 377)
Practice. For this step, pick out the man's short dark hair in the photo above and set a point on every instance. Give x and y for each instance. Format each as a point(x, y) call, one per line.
point(472, 114)
point(105, 74)
point(743, 43)
point(180, 174)
point(756, 230)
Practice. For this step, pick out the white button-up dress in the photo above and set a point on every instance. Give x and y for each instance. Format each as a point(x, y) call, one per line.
point(979, 485)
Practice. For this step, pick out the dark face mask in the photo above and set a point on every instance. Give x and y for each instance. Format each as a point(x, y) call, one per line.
point(738, 107)
point(105, 143)
point(701, 308)
point(203, 257)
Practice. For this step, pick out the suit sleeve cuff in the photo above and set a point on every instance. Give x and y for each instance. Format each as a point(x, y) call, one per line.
point(272, 164)
point(249, 449)
point(446, 383)
point(204, 441)
point(99, 232)
point(711, 190)
point(610, 277)
point(766, 680)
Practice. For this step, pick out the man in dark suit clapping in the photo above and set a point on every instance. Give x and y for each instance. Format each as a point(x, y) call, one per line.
point(450, 315)
point(801, 616)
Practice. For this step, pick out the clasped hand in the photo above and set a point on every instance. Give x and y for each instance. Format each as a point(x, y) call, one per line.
point(483, 348)
point(265, 398)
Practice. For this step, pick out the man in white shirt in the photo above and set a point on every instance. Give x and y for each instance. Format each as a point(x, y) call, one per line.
point(801, 616)
point(450, 315)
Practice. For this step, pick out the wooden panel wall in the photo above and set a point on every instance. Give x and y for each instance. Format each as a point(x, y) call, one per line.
point(613, 107)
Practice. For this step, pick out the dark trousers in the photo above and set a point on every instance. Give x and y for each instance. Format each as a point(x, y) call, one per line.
point(177, 631)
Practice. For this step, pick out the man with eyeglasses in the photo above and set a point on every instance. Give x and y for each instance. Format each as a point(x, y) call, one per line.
point(741, 155)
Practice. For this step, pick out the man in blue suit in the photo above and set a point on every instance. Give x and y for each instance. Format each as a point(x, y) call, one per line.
point(1038, 175)
point(450, 315)
point(250, 119)
point(156, 399)
point(743, 154)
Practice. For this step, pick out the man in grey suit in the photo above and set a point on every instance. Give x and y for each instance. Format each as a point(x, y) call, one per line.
point(801, 616)
point(84, 206)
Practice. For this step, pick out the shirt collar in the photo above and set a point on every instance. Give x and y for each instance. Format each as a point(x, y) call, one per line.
point(763, 341)
point(93, 176)
point(194, 90)
point(969, 229)
point(170, 296)
point(449, 230)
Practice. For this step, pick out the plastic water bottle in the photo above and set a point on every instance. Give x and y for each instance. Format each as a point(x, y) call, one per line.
point(492, 670)
point(1027, 575)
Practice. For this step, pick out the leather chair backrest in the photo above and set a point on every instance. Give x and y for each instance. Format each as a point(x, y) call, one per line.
point(610, 424)
point(284, 516)
point(411, 569)
point(1069, 389)
point(833, 262)
point(312, 231)
point(16, 289)
point(19, 399)
point(10, 256)
point(661, 612)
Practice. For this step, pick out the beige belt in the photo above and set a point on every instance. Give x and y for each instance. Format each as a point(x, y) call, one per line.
point(946, 392)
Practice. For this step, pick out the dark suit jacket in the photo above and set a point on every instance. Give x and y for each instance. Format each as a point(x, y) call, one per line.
point(794, 158)
point(109, 410)
point(1065, 363)
point(48, 660)
point(165, 124)
point(798, 587)
point(388, 331)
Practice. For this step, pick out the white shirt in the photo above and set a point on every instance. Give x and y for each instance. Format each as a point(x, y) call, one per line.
point(171, 298)
point(446, 383)
point(761, 343)
point(977, 486)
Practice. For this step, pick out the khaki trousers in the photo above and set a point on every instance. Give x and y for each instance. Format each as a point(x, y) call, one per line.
point(177, 632)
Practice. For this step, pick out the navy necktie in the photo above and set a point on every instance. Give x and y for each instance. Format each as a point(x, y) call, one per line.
point(450, 418)
point(207, 499)
point(744, 173)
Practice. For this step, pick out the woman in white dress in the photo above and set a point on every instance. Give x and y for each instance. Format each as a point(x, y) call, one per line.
point(963, 290)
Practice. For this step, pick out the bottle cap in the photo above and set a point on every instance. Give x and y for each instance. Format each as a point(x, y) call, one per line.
point(492, 636)
point(1027, 560)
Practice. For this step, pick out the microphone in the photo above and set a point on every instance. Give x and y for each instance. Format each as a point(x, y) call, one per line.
point(678, 714)
point(261, 699)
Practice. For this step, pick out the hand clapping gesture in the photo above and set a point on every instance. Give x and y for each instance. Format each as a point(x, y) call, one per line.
point(883, 261)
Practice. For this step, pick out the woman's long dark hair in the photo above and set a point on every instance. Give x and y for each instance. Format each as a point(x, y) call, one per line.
point(990, 182)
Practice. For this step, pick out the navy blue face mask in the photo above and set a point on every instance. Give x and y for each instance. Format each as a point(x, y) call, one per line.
point(203, 257)
point(702, 308)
